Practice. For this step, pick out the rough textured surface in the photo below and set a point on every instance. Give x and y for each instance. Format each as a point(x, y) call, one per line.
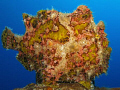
point(61, 47)
point(63, 86)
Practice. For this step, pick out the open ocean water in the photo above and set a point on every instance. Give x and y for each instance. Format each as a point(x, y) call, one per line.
point(14, 75)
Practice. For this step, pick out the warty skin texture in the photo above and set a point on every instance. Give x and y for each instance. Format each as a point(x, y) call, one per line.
point(61, 47)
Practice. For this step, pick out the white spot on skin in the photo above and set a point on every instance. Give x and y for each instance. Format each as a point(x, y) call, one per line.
point(24, 20)
point(37, 48)
point(53, 15)
point(62, 47)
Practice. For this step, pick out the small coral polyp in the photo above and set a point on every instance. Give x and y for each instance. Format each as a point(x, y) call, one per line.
point(61, 47)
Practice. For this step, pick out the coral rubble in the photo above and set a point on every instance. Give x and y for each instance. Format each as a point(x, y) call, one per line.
point(61, 47)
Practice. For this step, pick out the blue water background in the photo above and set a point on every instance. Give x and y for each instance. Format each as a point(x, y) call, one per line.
point(14, 75)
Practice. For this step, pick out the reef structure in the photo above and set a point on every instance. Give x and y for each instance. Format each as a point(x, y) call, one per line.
point(61, 47)
point(62, 86)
